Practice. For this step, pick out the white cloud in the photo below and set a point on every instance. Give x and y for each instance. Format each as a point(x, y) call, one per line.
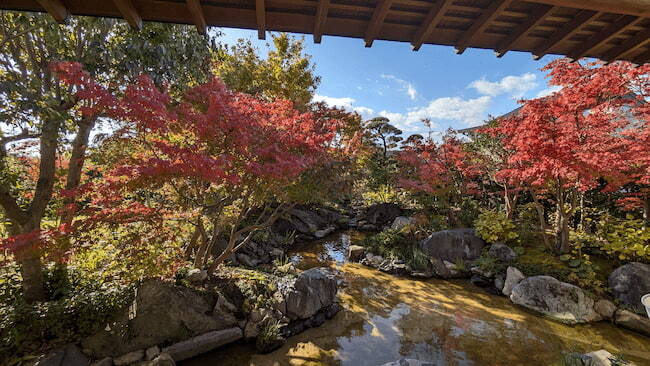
point(364, 111)
point(515, 86)
point(548, 91)
point(406, 86)
point(470, 111)
point(344, 102)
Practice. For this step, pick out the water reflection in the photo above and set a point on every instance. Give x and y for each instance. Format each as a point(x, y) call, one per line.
point(445, 322)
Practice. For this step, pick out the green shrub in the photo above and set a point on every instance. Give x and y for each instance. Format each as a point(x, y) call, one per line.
point(400, 244)
point(628, 238)
point(80, 309)
point(493, 227)
point(488, 263)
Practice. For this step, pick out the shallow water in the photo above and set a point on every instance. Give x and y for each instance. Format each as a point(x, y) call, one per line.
point(446, 322)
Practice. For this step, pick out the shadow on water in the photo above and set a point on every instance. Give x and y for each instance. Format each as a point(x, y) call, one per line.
point(446, 322)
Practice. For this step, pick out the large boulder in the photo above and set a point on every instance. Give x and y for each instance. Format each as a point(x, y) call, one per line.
point(401, 222)
point(160, 313)
point(453, 245)
point(502, 252)
point(513, 277)
point(558, 300)
point(629, 283)
point(632, 321)
point(69, 355)
point(382, 214)
point(304, 295)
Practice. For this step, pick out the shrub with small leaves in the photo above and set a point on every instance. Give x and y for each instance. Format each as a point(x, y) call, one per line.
point(493, 227)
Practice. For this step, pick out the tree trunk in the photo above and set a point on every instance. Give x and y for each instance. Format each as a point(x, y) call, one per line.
point(646, 211)
point(561, 223)
point(31, 270)
point(542, 218)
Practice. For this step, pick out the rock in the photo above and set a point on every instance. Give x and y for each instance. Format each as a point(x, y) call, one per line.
point(502, 252)
point(129, 358)
point(423, 274)
point(355, 253)
point(382, 214)
point(481, 272)
point(276, 252)
point(152, 352)
point(605, 308)
point(224, 311)
point(401, 222)
point(201, 344)
point(69, 355)
point(558, 300)
point(394, 266)
point(453, 245)
point(303, 296)
point(246, 260)
point(319, 234)
point(499, 282)
point(480, 281)
point(332, 310)
point(267, 346)
point(632, 321)
point(161, 313)
point(629, 283)
point(446, 269)
point(196, 275)
point(163, 359)
point(597, 358)
point(513, 277)
point(372, 260)
point(368, 227)
point(106, 361)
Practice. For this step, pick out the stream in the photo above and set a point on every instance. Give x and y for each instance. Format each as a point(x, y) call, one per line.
point(386, 318)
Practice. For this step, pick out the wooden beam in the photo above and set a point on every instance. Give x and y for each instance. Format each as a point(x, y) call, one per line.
point(260, 15)
point(378, 16)
point(640, 8)
point(603, 36)
point(643, 58)
point(56, 9)
point(194, 6)
point(496, 6)
point(129, 13)
point(319, 21)
point(564, 33)
point(631, 44)
point(520, 31)
point(432, 19)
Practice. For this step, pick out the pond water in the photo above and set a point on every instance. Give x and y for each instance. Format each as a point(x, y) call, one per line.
point(386, 318)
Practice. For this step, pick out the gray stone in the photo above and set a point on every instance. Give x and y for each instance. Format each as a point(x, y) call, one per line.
point(373, 260)
point(401, 222)
point(557, 300)
point(246, 260)
point(499, 282)
point(605, 308)
point(129, 358)
point(632, 321)
point(303, 296)
point(502, 252)
point(481, 272)
point(69, 355)
point(196, 275)
point(382, 214)
point(106, 361)
point(152, 352)
point(409, 362)
point(319, 234)
point(453, 245)
point(276, 252)
point(598, 358)
point(629, 283)
point(513, 277)
point(164, 359)
point(355, 253)
point(203, 343)
point(161, 313)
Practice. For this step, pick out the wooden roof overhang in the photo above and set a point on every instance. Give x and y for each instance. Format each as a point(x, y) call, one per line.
point(605, 29)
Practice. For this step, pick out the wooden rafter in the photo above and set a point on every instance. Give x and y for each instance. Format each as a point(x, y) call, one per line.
point(522, 29)
point(432, 19)
point(319, 21)
point(376, 21)
point(496, 6)
point(129, 13)
point(603, 36)
point(564, 33)
point(643, 57)
point(56, 9)
point(260, 16)
point(194, 6)
point(631, 44)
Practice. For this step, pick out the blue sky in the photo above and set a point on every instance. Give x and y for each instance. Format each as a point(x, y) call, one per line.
point(390, 80)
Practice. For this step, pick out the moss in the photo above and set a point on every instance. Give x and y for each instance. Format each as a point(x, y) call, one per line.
point(536, 261)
